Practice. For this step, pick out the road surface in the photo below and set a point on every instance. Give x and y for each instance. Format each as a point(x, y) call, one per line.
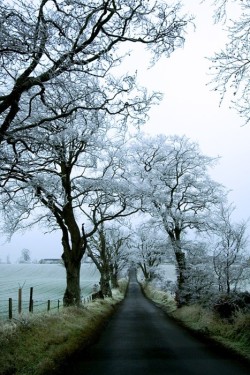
point(141, 340)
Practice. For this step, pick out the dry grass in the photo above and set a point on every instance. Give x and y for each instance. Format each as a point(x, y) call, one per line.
point(164, 300)
point(234, 334)
point(37, 344)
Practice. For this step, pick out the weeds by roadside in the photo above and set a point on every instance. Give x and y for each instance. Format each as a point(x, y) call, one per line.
point(234, 334)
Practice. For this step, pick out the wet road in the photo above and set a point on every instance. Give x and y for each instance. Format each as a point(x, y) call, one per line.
point(141, 340)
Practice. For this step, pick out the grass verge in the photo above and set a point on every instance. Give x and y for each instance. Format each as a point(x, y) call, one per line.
point(160, 298)
point(36, 345)
point(234, 335)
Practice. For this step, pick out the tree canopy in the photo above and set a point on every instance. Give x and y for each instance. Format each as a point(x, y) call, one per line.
point(52, 50)
point(178, 191)
point(231, 66)
point(72, 156)
point(64, 110)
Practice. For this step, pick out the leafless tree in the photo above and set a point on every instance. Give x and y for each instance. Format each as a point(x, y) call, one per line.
point(66, 179)
point(230, 253)
point(49, 48)
point(106, 247)
point(25, 256)
point(180, 193)
point(149, 249)
point(200, 285)
point(57, 77)
point(231, 66)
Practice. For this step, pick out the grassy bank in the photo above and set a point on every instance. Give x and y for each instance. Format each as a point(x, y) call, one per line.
point(234, 335)
point(36, 345)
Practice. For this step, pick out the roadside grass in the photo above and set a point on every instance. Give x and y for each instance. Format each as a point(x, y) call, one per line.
point(39, 344)
point(160, 298)
point(234, 334)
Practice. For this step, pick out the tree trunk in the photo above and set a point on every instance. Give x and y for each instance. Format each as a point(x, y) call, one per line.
point(105, 285)
point(113, 271)
point(145, 271)
point(114, 280)
point(72, 294)
point(228, 275)
point(182, 295)
point(228, 283)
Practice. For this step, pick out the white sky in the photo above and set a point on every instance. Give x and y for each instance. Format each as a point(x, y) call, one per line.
point(189, 107)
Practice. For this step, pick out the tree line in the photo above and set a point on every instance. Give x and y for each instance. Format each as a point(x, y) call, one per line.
point(73, 157)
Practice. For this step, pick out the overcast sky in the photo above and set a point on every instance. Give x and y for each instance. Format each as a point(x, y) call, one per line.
point(189, 107)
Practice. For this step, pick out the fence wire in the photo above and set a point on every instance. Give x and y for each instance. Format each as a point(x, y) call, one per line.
point(48, 283)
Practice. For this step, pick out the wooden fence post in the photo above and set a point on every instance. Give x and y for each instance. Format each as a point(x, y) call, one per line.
point(58, 304)
point(10, 308)
point(48, 305)
point(31, 300)
point(19, 300)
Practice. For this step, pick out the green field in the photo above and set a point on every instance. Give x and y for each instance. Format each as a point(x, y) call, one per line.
point(47, 280)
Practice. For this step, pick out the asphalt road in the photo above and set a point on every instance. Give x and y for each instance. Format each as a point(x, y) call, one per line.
point(141, 340)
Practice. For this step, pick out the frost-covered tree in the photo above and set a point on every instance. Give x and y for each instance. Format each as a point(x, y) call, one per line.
point(107, 248)
point(97, 250)
point(230, 252)
point(178, 191)
point(200, 285)
point(25, 256)
point(119, 240)
point(149, 249)
point(231, 65)
point(50, 49)
point(58, 75)
point(65, 180)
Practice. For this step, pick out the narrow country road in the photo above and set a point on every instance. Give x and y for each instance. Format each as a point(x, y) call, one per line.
point(141, 340)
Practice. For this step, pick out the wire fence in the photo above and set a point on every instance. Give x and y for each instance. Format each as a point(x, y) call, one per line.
point(12, 307)
point(39, 288)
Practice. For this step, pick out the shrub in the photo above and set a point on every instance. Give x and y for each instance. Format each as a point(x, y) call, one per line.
point(227, 305)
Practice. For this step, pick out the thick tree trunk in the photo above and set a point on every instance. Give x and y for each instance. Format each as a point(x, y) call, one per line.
point(113, 270)
point(72, 294)
point(181, 294)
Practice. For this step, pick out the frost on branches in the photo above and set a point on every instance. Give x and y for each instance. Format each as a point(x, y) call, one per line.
point(61, 104)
